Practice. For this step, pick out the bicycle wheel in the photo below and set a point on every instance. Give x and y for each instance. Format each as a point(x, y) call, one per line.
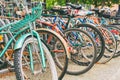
point(83, 53)
point(98, 38)
point(22, 62)
point(116, 32)
point(110, 45)
point(58, 47)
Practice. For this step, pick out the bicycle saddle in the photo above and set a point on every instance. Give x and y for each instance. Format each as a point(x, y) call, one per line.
point(60, 11)
point(74, 6)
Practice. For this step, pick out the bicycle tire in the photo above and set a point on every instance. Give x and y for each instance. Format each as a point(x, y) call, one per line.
point(18, 62)
point(108, 54)
point(64, 66)
point(100, 54)
point(90, 57)
point(116, 27)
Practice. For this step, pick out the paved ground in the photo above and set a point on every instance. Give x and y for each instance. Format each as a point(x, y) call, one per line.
point(109, 71)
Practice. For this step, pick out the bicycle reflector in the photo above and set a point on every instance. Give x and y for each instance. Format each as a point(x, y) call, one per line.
point(1, 38)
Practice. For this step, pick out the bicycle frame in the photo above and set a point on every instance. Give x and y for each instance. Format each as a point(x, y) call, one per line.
point(56, 27)
point(19, 32)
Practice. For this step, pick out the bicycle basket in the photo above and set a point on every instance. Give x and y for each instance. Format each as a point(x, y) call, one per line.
point(36, 12)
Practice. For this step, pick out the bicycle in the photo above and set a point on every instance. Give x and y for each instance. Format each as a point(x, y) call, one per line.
point(75, 42)
point(106, 34)
point(75, 21)
point(22, 35)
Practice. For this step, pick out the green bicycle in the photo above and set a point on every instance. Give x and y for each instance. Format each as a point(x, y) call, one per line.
point(31, 56)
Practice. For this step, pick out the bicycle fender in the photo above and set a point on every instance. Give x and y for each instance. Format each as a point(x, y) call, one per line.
point(21, 40)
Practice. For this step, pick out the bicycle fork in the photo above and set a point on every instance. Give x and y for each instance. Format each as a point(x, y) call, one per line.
point(41, 53)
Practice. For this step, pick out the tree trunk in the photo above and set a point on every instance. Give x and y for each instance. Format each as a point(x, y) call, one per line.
point(95, 4)
point(118, 13)
point(67, 1)
point(119, 8)
point(103, 4)
point(45, 3)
